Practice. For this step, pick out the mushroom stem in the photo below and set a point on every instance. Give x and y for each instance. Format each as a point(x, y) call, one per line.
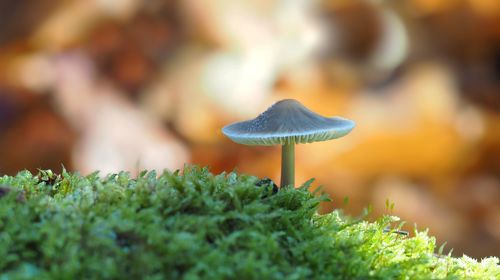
point(288, 164)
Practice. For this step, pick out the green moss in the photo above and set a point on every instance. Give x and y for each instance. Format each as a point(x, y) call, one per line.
point(196, 225)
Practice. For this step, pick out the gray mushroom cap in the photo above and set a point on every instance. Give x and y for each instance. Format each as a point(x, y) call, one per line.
point(287, 121)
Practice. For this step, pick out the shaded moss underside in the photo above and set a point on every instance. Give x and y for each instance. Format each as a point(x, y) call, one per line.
point(195, 225)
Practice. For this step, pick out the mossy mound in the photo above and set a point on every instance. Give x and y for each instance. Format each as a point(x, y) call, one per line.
point(195, 225)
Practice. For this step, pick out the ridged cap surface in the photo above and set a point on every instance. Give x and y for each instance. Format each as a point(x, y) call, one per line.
point(287, 121)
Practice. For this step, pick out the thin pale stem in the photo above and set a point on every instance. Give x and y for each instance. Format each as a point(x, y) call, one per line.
point(288, 164)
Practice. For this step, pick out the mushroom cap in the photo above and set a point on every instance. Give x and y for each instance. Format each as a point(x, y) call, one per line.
point(287, 121)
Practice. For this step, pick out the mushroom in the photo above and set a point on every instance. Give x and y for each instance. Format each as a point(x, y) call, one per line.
point(287, 123)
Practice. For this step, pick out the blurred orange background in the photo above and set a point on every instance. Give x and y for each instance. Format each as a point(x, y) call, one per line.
point(116, 85)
